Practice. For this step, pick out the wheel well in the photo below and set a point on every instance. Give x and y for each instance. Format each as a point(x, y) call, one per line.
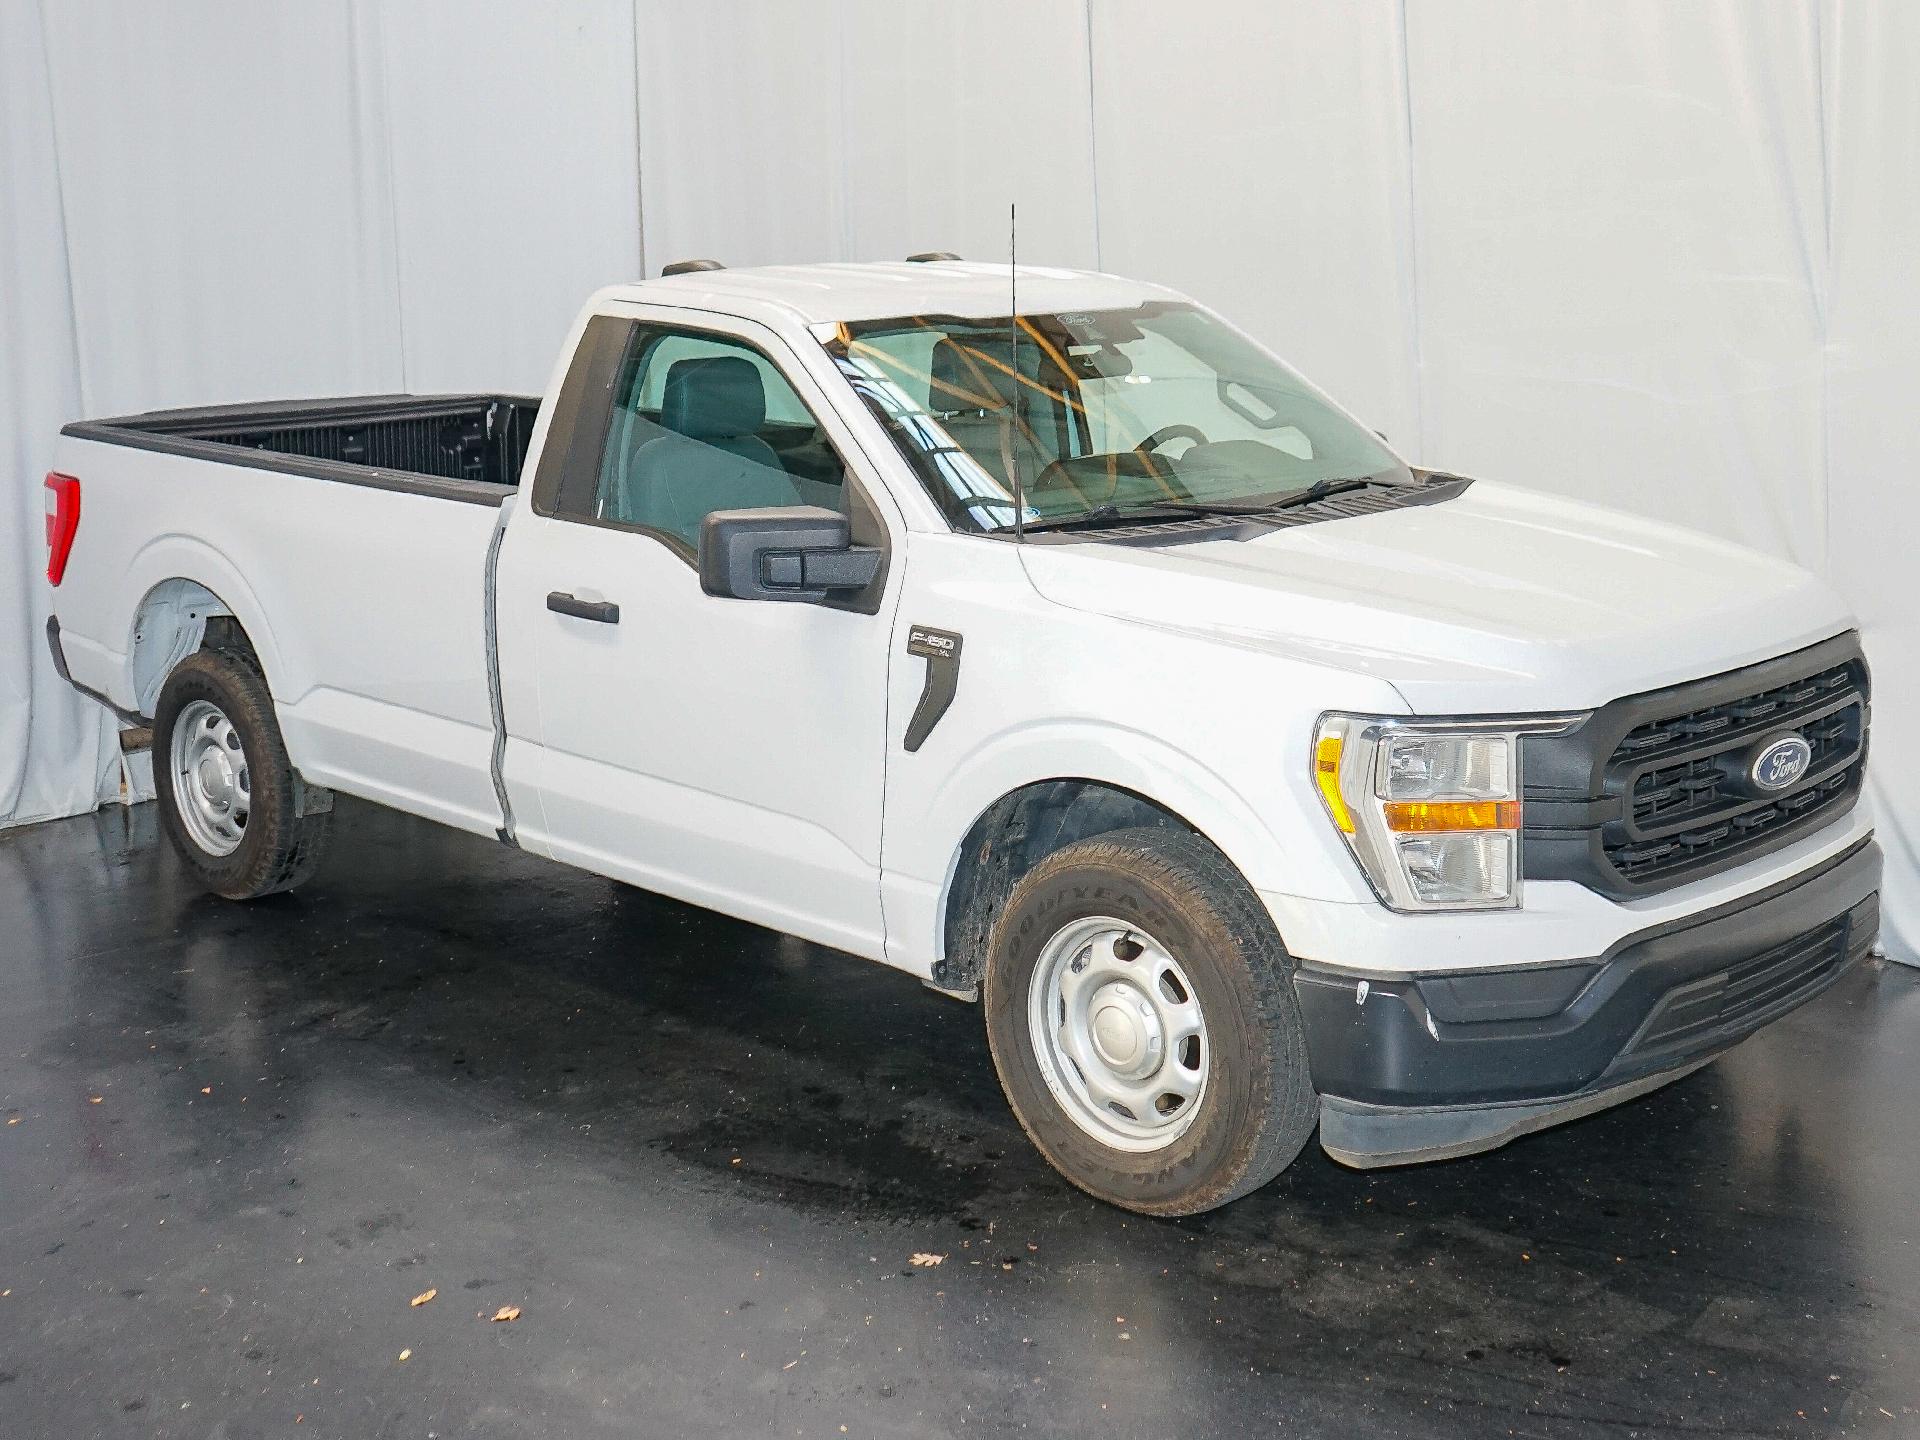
point(176, 618)
point(1013, 835)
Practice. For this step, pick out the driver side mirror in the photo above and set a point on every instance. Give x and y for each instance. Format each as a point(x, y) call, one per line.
point(788, 552)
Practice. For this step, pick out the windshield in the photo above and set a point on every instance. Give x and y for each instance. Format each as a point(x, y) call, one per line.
point(1159, 410)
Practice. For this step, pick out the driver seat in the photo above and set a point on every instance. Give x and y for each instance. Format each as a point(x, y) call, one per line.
point(709, 455)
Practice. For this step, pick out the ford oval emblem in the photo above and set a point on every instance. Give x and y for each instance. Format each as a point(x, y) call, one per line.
point(1781, 763)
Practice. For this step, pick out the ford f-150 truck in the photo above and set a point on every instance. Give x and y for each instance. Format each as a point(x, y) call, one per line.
point(1073, 655)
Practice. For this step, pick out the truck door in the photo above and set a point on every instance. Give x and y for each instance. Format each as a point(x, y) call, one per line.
point(728, 752)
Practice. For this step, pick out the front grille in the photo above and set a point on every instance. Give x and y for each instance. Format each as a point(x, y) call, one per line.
point(1687, 781)
point(1654, 790)
point(1748, 994)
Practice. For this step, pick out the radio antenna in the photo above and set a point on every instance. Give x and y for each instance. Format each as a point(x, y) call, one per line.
point(1013, 358)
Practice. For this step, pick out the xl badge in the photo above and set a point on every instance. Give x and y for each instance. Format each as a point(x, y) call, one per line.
point(1781, 763)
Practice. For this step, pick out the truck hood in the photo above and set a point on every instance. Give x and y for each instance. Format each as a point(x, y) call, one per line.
point(1499, 600)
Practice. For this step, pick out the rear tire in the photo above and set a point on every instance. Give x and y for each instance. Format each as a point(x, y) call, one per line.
point(240, 817)
point(1141, 1013)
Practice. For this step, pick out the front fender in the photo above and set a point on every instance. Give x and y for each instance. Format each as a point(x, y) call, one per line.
point(1274, 847)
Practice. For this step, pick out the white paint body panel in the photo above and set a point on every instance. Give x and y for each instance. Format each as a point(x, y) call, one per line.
point(1560, 920)
point(365, 605)
point(727, 753)
point(750, 757)
point(1501, 601)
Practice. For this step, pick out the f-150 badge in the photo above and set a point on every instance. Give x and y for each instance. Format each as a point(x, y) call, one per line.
point(941, 650)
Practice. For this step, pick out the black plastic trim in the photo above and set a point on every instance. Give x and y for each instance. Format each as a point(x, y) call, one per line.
point(1577, 796)
point(1368, 1136)
point(496, 692)
point(569, 470)
point(941, 650)
point(601, 612)
point(1541, 1033)
point(59, 653)
point(126, 717)
point(164, 432)
point(1373, 501)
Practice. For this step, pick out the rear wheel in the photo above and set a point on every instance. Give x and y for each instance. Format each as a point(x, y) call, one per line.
point(231, 803)
point(1141, 1014)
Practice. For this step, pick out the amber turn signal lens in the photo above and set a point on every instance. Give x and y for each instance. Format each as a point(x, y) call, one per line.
point(1326, 774)
point(1425, 817)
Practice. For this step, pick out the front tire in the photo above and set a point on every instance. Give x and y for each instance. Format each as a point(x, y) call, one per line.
point(241, 819)
point(1140, 1010)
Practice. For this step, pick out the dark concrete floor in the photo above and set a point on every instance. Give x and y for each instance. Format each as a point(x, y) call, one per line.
point(699, 1156)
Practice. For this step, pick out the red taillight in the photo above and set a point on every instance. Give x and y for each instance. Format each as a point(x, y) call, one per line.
point(63, 522)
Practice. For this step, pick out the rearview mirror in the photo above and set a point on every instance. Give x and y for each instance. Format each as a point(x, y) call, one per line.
point(789, 552)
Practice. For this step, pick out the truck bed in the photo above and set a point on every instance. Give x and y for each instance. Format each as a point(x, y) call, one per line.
point(324, 527)
point(458, 447)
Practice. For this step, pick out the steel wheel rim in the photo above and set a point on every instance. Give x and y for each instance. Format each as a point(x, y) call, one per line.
point(212, 782)
point(1118, 1031)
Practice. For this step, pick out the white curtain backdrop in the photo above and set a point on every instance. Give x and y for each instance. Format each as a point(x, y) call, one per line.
point(1657, 253)
point(57, 755)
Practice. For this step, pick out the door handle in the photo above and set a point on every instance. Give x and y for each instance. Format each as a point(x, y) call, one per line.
point(604, 611)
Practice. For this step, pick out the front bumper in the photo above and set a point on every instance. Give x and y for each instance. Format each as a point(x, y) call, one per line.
point(1428, 1066)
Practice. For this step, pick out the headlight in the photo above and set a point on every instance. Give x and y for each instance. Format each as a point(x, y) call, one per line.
point(1431, 810)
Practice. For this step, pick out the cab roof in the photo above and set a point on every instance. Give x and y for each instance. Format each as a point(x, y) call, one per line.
point(879, 290)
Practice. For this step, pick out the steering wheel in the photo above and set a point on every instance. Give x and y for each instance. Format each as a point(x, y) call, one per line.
point(1166, 434)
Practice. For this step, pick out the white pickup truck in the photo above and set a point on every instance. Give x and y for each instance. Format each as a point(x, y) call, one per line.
point(1090, 663)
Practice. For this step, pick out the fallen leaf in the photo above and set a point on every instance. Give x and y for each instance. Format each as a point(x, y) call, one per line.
point(13, 1120)
point(206, 1089)
point(95, 1099)
point(423, 1297)
point(406, 1354)
point(507, 1312)
point(925, 1259)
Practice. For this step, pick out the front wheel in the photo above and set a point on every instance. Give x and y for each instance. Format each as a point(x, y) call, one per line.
point(1141, 1014)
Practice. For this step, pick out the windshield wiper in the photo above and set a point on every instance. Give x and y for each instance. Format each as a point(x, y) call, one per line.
point(1320, 490)
point(1102, 516)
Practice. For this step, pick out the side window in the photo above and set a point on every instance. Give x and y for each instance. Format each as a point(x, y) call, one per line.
point(701, 423)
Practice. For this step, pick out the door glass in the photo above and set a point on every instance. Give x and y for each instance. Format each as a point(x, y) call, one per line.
point(703, 423)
